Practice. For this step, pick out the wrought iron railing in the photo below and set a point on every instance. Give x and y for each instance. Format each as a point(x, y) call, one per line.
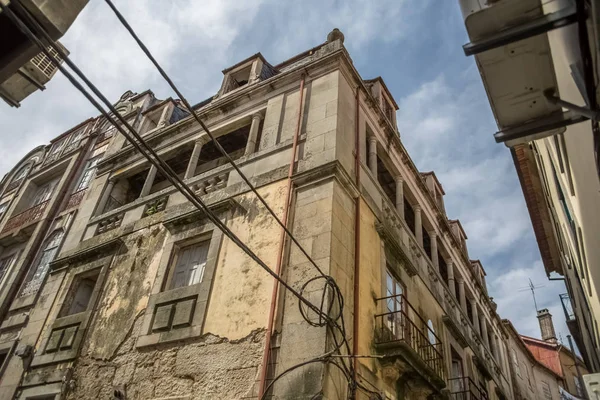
point(402, 323)
point(567, 307)
point(464, 388)
point(30, 215)
point(75, 199)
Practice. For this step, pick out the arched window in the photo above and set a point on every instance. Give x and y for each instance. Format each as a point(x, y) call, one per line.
point(22, 172)
point(431, 332)
point(42, 262)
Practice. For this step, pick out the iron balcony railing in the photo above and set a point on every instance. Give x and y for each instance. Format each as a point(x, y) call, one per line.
point(75, 199)
point(567, 307)
point(30, 215)
point(402, 323)
point(13, 185)
point(464, 388)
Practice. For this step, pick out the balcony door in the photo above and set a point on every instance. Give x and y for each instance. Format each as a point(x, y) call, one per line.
point(457, 387)
point(394, 292)
point(42, 194)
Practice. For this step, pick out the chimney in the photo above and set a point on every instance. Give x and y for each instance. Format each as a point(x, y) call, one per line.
point(546, 325)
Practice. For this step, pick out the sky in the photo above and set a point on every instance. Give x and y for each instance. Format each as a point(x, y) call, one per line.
point(444, 119)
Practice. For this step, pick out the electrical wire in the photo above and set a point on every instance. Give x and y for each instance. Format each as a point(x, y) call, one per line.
point(169, 174)
point(330, 283)
point(208, 132)
point(148, 152)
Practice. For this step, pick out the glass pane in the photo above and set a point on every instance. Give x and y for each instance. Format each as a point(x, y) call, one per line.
point(190, 265)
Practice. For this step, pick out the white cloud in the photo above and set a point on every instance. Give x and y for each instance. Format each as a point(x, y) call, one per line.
point(515, 301)
point(193, 42)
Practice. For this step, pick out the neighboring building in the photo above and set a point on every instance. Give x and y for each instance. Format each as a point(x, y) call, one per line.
point(23, 68)
point(529, 53)
point(560, 360)
point(147, 299)
point(531, 379)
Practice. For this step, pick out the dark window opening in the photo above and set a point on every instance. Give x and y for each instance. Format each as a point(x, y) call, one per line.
point(443, 268)
point(409, 216)
point(234, 143)
point(79, 296)
point(126, 190)
point(470, 311)
point(238, 79)
point(387, 181)
point(179, 163)
point(3, 358)
point(426, 243)
point(456, 288)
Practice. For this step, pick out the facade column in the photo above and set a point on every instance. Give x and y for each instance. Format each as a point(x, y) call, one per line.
point(475, 315)
point(418, 225)
point(484, 332)
point(434, 250)
point(373, 155)
point(451, 284)
point(253, 135)
point(400, 196)
point(193, 163)
point(105, 196)
point(461, 294)
point(148, 182)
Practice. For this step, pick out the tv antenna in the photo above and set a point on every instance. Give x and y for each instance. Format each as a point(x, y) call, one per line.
point(532, 288)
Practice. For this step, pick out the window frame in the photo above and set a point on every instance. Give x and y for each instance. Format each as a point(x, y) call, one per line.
point(79, 321)
point(91, 166)
point(178, 313)
point(178, 250)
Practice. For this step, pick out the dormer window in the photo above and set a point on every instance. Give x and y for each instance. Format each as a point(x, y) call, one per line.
point(245, 73)
point(239, 78)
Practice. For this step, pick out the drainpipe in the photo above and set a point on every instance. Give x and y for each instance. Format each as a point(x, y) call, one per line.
point(356, 235)
point(284, 219)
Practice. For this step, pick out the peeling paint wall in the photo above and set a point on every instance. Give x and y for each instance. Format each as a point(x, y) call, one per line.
point(222, 363)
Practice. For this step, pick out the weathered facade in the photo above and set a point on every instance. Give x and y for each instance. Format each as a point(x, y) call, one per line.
point(146, 299)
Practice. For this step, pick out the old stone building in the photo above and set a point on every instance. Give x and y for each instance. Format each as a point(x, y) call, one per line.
point(120, 288)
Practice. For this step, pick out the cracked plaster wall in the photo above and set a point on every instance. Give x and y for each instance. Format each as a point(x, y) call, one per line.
point(224, 362)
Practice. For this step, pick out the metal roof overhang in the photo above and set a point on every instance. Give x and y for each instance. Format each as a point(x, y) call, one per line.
point(512, 51)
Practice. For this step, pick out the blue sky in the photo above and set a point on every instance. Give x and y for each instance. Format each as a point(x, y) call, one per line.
point(415, 45)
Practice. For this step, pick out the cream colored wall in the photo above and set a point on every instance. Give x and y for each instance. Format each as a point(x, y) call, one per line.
point(241, 291)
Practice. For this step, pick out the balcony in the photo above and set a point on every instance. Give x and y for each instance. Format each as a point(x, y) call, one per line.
point(567, 307)
point(403, 335)
point(75, 199)
point(464, 388)
point(26, 217)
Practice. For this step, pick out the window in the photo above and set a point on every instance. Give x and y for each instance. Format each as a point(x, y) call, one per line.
point(80, 294)
point(3, 208)
point(578, 387)
point(527, 373)
point(394, 289)
point(431, 332)
point(42, 194)
point(515, 362)
point(238, 79)
point(546, 390)
point(178, 303)
point(22, 173)
point(88, 174)
point(189, 265)
point(5, 265)
point(41, 266)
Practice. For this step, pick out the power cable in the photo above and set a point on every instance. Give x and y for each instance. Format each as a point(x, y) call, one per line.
point(165, 169)
point(330, 281)
point(208, 132)
point(148, 152)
